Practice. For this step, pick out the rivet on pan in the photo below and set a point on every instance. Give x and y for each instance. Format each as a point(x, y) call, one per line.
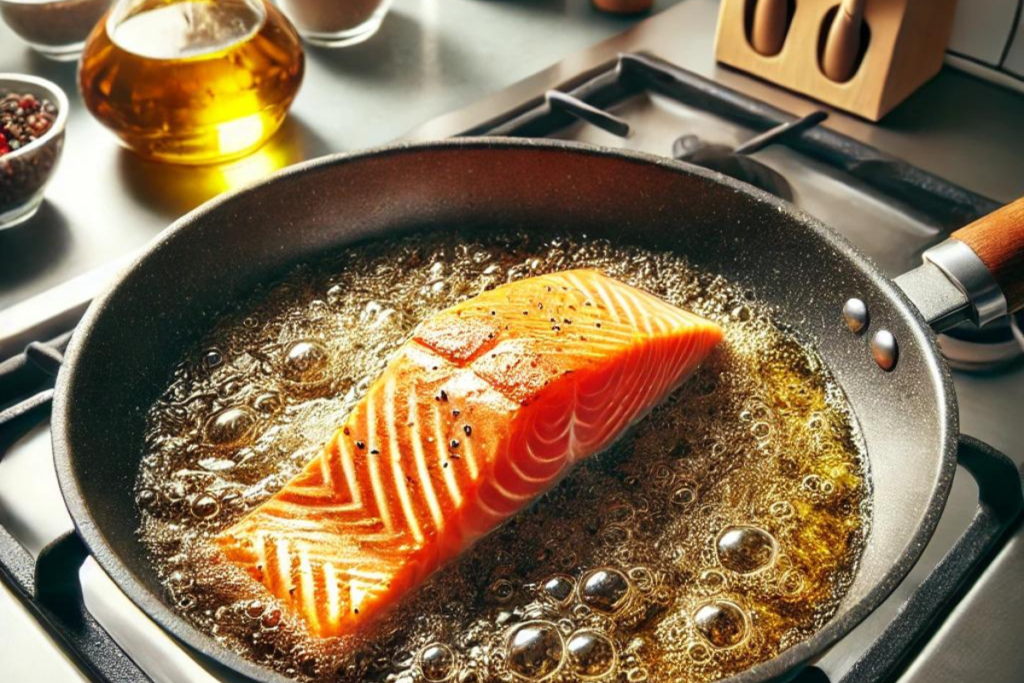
point(884, 350)
point(855, 313)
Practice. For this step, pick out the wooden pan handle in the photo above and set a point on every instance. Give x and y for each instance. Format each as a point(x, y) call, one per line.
point(998, 240)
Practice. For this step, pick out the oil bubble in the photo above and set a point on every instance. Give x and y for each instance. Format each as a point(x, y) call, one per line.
point(604, 589)
point(663, 596)
point(662, 474)
point(559, 588)
point(791, 583)
point(682, 497)
point(271, 619)
point(698, 652)
point(255, 609)
point(145, 498)
point(722, 623)
point(501, 591)
point(212, 359)
point(745, 549)
point(205, 507)
point(304, 361)
point(781, 509)
point(180, 582)
point(713, 580)
point(436, 662)
point(267, 403)
point(642, 579)
point(535, 650)
point(741, 313)
point(591, 654)
point(229, 426)
point(637, 675)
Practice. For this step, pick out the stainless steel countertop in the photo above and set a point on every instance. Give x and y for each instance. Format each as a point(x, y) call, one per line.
point(431, 56)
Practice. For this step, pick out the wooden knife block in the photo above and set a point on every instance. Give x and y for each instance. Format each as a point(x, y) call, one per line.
point(906, 42)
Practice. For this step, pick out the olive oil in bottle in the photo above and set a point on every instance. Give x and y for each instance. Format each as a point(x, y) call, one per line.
point(192, 81)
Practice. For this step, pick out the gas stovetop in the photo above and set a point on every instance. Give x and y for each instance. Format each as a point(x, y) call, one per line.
point(889, 208)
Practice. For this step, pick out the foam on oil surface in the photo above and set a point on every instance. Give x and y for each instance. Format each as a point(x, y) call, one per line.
point(724, 528)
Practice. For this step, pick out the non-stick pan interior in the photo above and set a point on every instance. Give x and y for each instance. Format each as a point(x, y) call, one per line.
point(122, 354)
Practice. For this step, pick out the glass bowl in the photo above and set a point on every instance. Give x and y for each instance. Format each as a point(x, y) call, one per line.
point(54, 28)
point(335, 23)
point(25, 172)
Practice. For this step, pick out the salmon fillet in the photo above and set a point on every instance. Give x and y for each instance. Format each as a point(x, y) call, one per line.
point(483, 410)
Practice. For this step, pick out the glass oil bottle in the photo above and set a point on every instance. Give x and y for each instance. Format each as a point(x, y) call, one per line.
point(192, 81)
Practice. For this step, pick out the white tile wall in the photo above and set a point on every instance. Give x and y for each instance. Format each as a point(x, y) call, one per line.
point(1014, 62)
point(982, 28)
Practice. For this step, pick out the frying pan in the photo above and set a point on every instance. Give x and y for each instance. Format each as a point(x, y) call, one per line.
point(121, 354)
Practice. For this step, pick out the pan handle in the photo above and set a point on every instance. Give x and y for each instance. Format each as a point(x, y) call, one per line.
point(977, 274)
point(998, 240)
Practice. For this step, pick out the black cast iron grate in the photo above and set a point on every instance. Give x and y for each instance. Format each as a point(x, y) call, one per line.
point(48, 585)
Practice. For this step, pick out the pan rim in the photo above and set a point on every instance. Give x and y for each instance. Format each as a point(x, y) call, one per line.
point(788, 661)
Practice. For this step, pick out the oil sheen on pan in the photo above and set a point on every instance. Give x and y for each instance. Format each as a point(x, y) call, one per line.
point(721, 529)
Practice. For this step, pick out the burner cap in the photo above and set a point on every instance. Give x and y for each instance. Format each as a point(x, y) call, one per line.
point(723, 159)
point(999, 343)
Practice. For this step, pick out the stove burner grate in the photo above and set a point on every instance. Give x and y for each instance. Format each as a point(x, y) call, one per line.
point(737, 163)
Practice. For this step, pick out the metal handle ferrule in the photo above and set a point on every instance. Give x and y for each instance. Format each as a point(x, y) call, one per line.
point(961, 265)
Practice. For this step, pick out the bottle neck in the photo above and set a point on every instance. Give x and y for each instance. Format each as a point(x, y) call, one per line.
point(182, 29)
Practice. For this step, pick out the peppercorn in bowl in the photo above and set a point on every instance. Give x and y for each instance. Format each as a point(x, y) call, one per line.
point(33, 112)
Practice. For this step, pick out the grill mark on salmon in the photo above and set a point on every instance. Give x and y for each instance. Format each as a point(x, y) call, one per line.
point(489, 404)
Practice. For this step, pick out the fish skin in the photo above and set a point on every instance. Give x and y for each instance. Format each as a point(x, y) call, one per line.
point(544, 372)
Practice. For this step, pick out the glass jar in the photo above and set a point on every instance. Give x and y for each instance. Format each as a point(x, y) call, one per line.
point(335, 23)
point(192, 81)
point(54, 28)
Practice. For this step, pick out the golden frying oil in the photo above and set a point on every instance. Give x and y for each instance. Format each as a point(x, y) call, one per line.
point(192, 81)
point(724, 528)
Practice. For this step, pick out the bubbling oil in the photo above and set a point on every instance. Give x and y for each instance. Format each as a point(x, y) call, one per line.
point(724, 528)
